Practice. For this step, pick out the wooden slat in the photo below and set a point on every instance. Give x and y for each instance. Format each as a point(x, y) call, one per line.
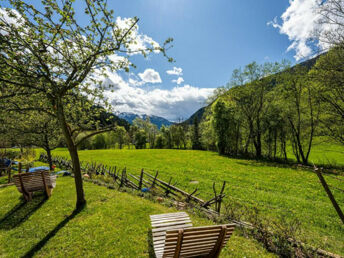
point(171, 227)
point(169, 219)
point(168, 214)
point(171, 223)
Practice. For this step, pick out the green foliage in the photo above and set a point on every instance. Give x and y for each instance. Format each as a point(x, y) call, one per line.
point(160, 143)
point(121, 136)
point(99, 142)
point(196, 137)
point(9, 153)
point(327, 78)
point(140, 139)
point(269, 109)
point(60, 64)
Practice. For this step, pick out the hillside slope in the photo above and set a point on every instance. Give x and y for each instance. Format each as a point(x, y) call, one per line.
point(200, 112)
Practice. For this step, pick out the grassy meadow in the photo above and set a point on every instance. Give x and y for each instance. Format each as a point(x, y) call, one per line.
point(276, 189)
point(113, 224)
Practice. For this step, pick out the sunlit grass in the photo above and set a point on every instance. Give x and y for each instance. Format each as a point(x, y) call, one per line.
point(274, 188)
point(113, 224)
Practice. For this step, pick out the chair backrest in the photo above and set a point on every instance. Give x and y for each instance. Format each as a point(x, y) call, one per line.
point(197, 241)
point(33, 181)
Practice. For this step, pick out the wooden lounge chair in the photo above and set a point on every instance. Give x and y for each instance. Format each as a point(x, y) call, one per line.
point(174, 236)
point(27, 183)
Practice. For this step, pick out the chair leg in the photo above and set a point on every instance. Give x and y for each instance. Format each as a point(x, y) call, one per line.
point(48, 192)
point(28, 196)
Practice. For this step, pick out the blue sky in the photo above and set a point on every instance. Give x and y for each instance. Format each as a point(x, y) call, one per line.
point(211, 39)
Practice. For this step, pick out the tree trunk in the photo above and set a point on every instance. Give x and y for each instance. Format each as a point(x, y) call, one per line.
point(80, 202)
point(49, 159)
point(48, 150)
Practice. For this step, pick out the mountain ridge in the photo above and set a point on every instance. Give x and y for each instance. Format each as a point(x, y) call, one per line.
point(157, 120)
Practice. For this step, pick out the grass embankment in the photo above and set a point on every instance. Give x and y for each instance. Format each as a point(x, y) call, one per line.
point(113, 224)
point(275, 189)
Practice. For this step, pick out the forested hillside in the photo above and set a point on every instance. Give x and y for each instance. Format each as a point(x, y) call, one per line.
point(270, 108)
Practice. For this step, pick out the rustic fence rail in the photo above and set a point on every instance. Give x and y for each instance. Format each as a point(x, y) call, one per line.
point(143, 182)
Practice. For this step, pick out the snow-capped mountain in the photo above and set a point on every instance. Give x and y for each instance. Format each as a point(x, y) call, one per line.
point(157, 120)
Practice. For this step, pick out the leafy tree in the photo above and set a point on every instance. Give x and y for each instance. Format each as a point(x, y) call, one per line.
point(196, 137)
point(166, 133)
point(226, 128)
point(140, 139)
point(47, 54)
point(250, 97)
point(38, 130)
point(301, 110)
point(99, 142)
point(120, 133)
point(160, 144)
point(328, 79)
point(150, 129)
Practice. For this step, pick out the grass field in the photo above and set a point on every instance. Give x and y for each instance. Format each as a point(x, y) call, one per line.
point(113, 224)
point(324, 152)
point(277, 190)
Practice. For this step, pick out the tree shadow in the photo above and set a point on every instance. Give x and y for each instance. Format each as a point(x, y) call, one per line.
point(21, 212)
point(150, 244)
point(52, 233)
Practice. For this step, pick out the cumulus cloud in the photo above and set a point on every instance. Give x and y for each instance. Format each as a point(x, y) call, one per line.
point(138, 41)
point(179, 80)
point(178, 102)
point(150, 76)
point(175, 71)
point(299, 22)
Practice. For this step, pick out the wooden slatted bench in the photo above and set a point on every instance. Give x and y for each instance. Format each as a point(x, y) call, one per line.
point(27, 183)
point(174, 236)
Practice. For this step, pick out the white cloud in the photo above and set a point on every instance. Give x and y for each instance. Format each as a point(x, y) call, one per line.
point(178, 102)
point(178, 81)
point(150, 76)
point(309, 24)
point(138, 41)
point(299, 22)
point(175, 71)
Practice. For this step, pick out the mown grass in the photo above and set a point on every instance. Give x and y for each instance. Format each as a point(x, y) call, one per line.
point(275, 189)
point(113, 224)
point(325, 152)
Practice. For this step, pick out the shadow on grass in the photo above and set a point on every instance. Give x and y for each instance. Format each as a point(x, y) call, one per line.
point(150, 244)
point(21, 212)
point(52, 233)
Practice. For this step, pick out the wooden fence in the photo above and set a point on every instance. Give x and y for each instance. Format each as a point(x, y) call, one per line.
point(145, 182)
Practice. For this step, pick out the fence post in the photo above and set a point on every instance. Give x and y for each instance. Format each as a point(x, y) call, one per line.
point(141, 178)
point(330, 195)
point(156, 175)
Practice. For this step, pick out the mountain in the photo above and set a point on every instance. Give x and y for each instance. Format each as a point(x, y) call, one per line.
point(156, 120)
point(200, 112)
point(105, 118)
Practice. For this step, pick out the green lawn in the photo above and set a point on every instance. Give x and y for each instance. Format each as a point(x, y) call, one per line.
point(285, 190)
point(113, 224)
point(326, 151)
